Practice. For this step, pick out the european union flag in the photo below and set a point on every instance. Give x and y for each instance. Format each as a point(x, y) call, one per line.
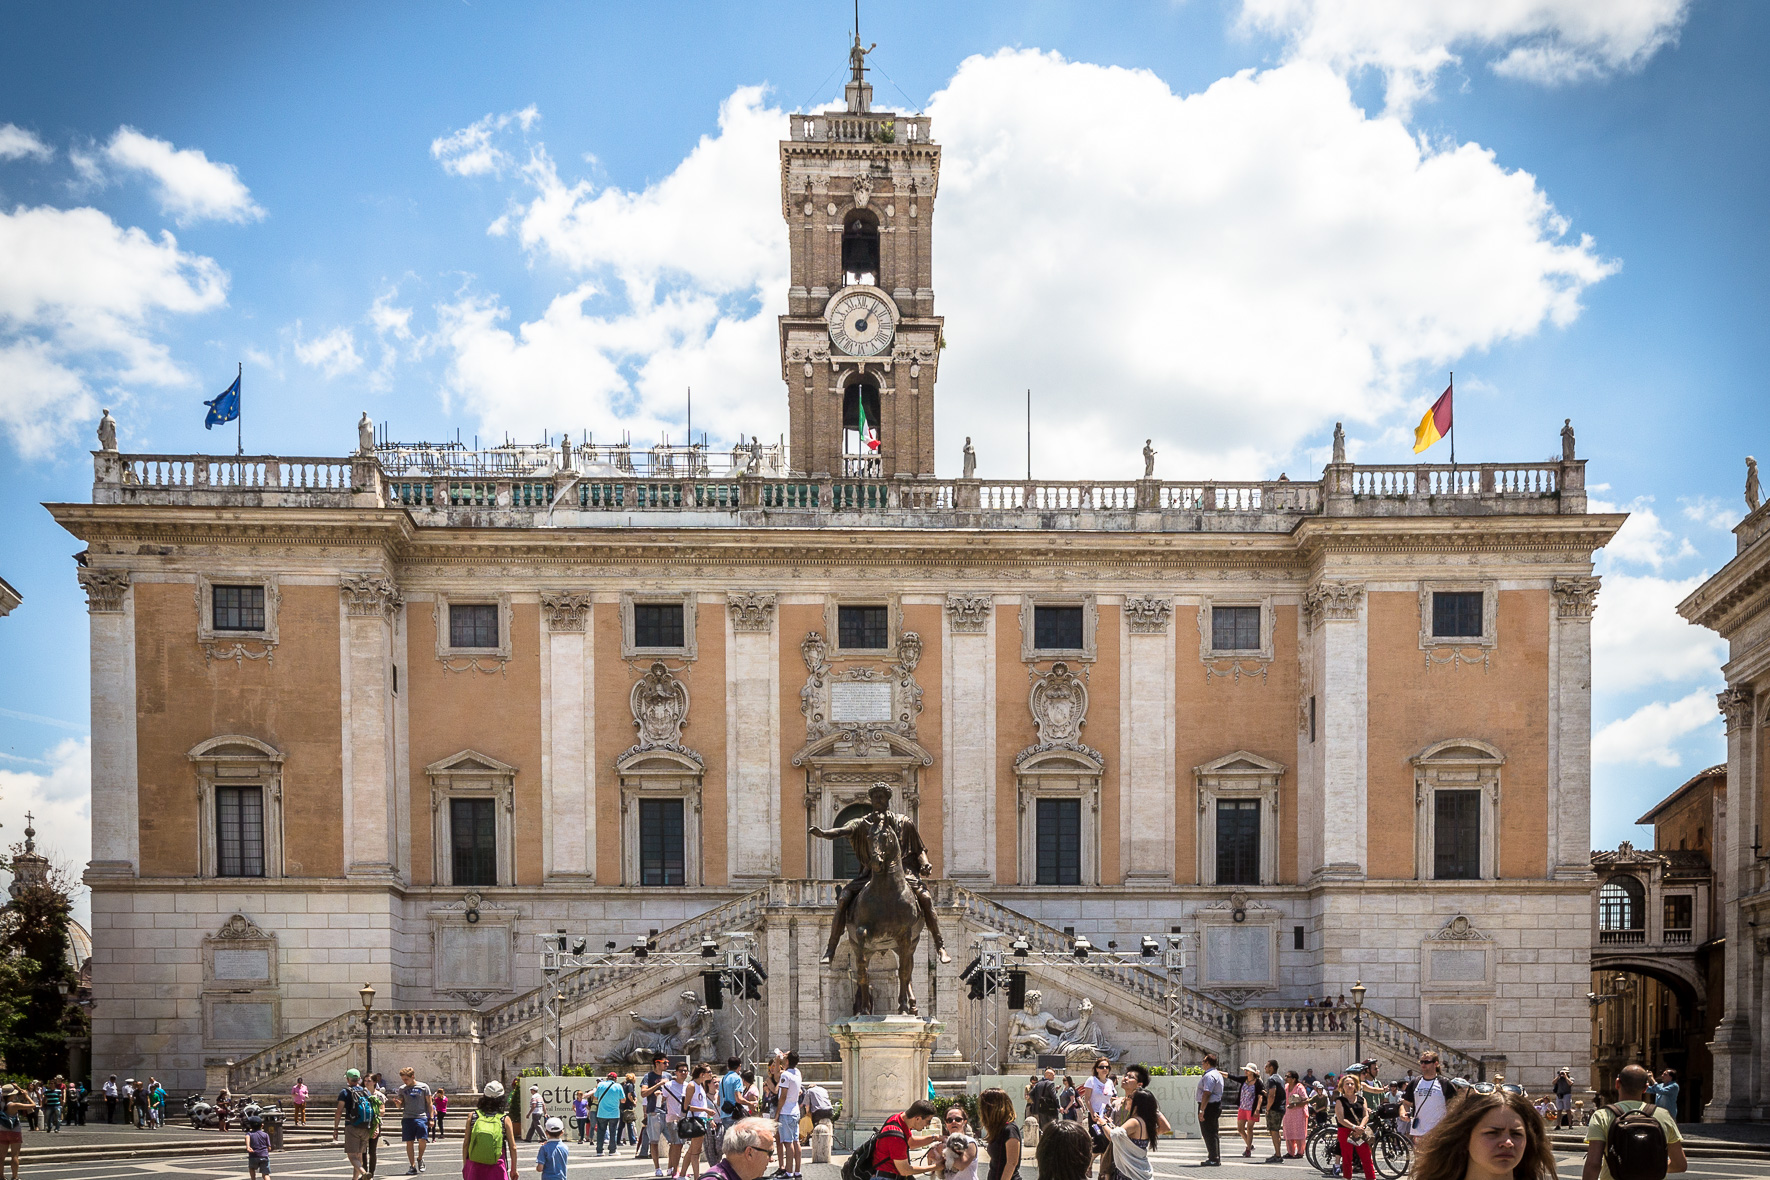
point(224, 408)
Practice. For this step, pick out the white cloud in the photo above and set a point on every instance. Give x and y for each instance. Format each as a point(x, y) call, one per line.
point(1284, 262)
point(79, 297)
point(1643, 540)
point(189, 185)
point(1638, 637)
point(1649, 734)
point(16, 143)
point(1708, 510)
point(60, 799)
point(333, 353)
point(471, 150)
point(1544, 41)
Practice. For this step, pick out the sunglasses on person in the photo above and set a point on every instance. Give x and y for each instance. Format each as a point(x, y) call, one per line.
point(1491, 1088)
point(955, 1118)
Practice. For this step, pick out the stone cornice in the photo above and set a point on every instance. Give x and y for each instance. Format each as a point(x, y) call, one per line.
point(98, 523)
point(1727, 600)
point(1318, 538)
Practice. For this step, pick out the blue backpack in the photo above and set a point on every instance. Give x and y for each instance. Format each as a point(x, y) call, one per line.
point(358, 1110)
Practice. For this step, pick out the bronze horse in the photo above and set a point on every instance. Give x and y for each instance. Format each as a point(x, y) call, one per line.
point(885, 916)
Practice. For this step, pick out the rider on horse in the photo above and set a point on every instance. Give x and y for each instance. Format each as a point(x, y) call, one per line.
point(859, 832)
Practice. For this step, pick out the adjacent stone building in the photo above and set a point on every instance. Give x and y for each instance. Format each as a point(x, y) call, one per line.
point(395, 717)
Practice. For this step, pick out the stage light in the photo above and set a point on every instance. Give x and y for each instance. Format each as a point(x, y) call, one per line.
point(639, 948)
point(1082, 946)
point(1019, 948)
point(578, 946)
point(709, 949)
point(1149, 947)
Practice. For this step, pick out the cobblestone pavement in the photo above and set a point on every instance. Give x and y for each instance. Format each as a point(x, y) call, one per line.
point(445, 1165)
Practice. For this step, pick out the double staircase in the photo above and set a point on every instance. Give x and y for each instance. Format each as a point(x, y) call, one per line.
point(1133, 994)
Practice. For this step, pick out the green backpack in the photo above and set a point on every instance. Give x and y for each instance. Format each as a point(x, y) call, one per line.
point(485, 1139)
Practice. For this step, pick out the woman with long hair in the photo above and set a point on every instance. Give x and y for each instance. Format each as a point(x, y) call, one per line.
point(995, 1110)
point(1495, 1136)
point(491, 1118)
point(1296, 1115)
point(1247, 1103)
point(1353, 1115)
point(1135, 1138)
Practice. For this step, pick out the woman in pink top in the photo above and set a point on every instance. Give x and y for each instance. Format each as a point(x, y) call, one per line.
point(440, 1103)
point(298, 1095)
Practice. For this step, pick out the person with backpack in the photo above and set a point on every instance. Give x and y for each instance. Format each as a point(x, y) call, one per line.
point(1427, 1098)
point(356, 1113)
point(1490, 1134)
point(489, 1138)
point(1633, 1139)
point(1046, 1100)
point(886, 1153)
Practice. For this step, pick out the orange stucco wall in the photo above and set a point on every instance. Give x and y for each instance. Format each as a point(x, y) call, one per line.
point(1223, 714)
point(290, 702)
point(498, 714)
point(1412, 706)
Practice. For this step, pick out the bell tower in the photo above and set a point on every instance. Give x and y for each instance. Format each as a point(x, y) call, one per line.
point(860, 343)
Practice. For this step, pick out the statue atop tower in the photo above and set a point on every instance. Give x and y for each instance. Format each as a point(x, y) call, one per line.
point(860, 343)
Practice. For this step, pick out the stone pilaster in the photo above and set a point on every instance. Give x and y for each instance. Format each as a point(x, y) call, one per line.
point(1570, 729)
point(752, 695)
point(1146, 737)
point(370, 604)
point(568, 786)
point(1733, 1097)
point(1337, 619)
point(116, 832)
point(968, 725)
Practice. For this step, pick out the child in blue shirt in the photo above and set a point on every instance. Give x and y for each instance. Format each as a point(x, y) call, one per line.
point(551, 1159)
point(257, 1149)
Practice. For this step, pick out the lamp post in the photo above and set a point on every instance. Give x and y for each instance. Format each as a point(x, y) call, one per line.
point(558, 1031)
point(1358, 990)
point(368, 995)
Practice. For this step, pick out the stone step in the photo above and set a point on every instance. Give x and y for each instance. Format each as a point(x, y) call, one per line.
point(1696, 1149)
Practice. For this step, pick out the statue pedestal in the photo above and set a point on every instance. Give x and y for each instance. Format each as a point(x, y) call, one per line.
point(884, 1069)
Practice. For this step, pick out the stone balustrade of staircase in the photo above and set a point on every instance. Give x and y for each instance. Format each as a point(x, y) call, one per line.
point(1378, 1032)
point(500, 1023)
point(393, 1028)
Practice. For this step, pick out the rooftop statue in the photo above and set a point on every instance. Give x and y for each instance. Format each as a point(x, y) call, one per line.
point(107, 432)
point(1752, 495)
point(970, 460)
point(1148, 458)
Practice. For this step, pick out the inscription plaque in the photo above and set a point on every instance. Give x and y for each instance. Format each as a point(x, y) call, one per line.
point(862, 700)
point(1459, 1023)
point(231, 1022)
point(253, 964)
point(1238, 954)
point(1459, 966)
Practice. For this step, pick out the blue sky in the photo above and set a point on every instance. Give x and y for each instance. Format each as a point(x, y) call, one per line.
point(1223, 223)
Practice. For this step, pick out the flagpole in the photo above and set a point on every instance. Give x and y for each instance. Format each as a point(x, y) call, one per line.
point(1029, 436)
point(239, 421)
point(1452, 390)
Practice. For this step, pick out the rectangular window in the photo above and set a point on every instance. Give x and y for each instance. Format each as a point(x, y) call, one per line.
point(1312, 719)
point(657, 624)
point(1678, 912)
point(864, 628)
point(238, 608)
point(1456, 614)
point(1057, 628)
point(1235, 628)
point(473, 833)
point(1059, 838)
point(1297, 938)
point(239, 831)
point(1238, 841)
point(1456, 826)
point(473, 624)
point(660, 842)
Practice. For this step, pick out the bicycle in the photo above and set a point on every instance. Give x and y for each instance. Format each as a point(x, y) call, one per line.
point(1391, 1151)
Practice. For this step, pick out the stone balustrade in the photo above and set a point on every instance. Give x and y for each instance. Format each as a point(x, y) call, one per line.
point(541, 488)
point(1378, 1034)
point(394, 1029)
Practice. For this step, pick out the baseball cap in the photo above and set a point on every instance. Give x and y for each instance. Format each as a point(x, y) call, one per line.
point(354, 1075)
point(554, 1126)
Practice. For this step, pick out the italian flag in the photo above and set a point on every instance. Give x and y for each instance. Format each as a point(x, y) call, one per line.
point(1435, 425)
point(868, 434)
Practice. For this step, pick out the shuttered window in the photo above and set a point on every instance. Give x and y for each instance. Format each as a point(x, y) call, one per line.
point(473, 625)
point(237, 608)
point(657, 624)
point(1238, 841)
point(473, 830)
point(1456, 614)
point(1057, 628)
point(660, 842)
point(1059, 841)
point(239, 831)
point(1235, 628)
point(1456, 827)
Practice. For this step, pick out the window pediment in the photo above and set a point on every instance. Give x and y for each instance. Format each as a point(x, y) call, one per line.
point(1459, 752)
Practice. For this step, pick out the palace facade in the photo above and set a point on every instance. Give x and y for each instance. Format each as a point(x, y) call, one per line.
point(396, 717)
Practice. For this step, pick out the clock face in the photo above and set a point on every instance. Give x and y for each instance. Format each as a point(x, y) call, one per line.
point(860, 325)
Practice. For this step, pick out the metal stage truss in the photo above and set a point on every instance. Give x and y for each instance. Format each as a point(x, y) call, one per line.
point(732, 959)
point(992, 964)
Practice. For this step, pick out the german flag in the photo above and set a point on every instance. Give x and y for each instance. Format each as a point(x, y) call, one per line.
point(1435, 425)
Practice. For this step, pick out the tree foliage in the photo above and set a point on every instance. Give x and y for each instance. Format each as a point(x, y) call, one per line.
point(35, 1017)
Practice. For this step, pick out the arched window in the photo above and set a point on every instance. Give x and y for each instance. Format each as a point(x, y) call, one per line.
point(860, 249)
point(862, 438)
point(1622, 905)
point(845, 866)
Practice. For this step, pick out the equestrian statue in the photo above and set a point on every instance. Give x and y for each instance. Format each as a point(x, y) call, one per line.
point(886, 906)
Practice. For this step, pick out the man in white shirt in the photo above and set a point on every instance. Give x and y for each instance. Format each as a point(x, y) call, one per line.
point(673, 1104)
point(110, 1100)
point(1426, 1098)
point(787, 1107)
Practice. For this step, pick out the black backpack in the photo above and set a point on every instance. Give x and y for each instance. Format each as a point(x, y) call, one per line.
point(859, 1165)
point(1635, 1149)
point(1044, 1099)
